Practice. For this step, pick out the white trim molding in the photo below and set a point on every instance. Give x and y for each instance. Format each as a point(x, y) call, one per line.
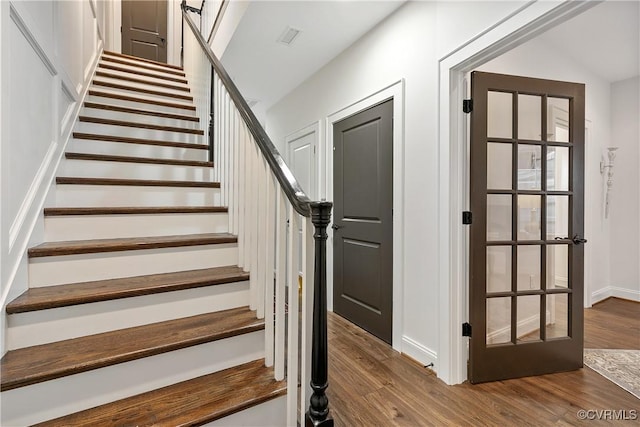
point(393, 91)
point(417, 351)
point(615, 292)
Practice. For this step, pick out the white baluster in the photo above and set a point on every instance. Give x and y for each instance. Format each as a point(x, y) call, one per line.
point(242, 194)
point(281, 281)
point(236, 174)
point(261, 232)
point(269, 243)
point(292, 335)
point(307, 310)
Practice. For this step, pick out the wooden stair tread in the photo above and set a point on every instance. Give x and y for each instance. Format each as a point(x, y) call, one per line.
point(131, 159)
point(73, 247)
point(189, 403)
point(140, 73)
point(129, 140)
point(123, 97)
point(141, 90)
point(143, 66)
point(141, 112)
point(48, 297)
point(45, 362)
point(142, 81)
point(72, 180)
point(132, 210)
point(101, 121)
point(135, 58)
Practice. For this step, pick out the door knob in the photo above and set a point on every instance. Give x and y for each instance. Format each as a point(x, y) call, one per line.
point(578, 240)
point(336, 226)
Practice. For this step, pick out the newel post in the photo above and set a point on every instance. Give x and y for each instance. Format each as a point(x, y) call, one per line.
point(318, 413)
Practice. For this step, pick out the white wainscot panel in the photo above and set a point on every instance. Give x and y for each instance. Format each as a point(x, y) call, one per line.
point(66, 102)
point(30, 122)
point(69, 40)
point(89, 38)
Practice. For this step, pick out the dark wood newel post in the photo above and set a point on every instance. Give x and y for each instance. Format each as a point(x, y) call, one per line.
point(318, 413)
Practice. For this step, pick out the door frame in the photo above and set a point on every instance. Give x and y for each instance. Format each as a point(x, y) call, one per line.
point(396, 91)
point(316, 128)
point(522, 25)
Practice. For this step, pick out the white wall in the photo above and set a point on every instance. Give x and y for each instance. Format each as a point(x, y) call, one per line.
point(48, 53)
point(624, 209)
point(538, 59)
point(407, 45)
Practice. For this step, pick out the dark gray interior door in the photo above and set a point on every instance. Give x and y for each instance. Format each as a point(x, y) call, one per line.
point(144, 29)
point(363, 219)
point(526, 241)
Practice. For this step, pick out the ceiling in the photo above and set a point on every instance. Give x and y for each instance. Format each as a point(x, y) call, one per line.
point(605, 39)
point(266, 70)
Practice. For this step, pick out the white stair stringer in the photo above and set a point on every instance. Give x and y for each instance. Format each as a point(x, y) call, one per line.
point(78, 195)
point(79, 145)
point(57, 270)
point(88, 227)
point(57, 324)
point(134, 170)
point(95, 95)
point(51, 399)
point(138, 117)
point(140, 133)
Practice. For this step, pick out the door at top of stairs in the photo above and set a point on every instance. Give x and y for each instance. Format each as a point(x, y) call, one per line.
point(144, 29)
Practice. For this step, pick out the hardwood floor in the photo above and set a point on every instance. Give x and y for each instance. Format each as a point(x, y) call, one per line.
point(372, 385)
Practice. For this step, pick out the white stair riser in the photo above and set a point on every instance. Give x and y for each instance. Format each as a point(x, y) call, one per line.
point(135, 104)
point(148, 85)
point(51, 399)
point(108, 169)
point(139, 118)
point(114, 195)
point(129, 90)
point(46, 326)
point(135, 73)
point(272, 413)
point(56, 270)
point(133, 132)
point(136, 150)
point(137, 65)
point(87, 227)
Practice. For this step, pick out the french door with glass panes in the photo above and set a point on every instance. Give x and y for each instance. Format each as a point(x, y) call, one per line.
point(526, 253)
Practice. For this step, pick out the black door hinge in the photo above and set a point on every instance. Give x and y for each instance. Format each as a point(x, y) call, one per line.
point(467, 105)
point(467, 217)
point(466, 329)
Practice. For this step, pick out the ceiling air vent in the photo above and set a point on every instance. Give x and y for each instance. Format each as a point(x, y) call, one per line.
point(288, 36)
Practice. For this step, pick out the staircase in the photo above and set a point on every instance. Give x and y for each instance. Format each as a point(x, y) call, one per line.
point(137, 312)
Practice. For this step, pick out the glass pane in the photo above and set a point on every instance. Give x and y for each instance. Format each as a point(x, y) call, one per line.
point(529, 267)
point(529, 117)
point(498, 217)
point(558, 119)
point(529, 167)
point(528, 328)
point(529, 217)
point(557, 322)
point(498, 320)
point(498, 166)
point(557, 266)
point(557, 217)
point(498, 268)
point(499, 115)
point(558, 168)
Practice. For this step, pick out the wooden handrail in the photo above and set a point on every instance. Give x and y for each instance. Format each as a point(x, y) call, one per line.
point(292, 189)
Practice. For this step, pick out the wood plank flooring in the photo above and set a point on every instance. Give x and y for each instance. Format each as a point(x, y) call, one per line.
point(372, 385)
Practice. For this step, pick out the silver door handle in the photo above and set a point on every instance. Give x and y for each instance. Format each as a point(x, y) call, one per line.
point(336, 226)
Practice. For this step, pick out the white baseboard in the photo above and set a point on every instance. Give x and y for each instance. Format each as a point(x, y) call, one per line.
point(617, 292)
point(417, 351)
